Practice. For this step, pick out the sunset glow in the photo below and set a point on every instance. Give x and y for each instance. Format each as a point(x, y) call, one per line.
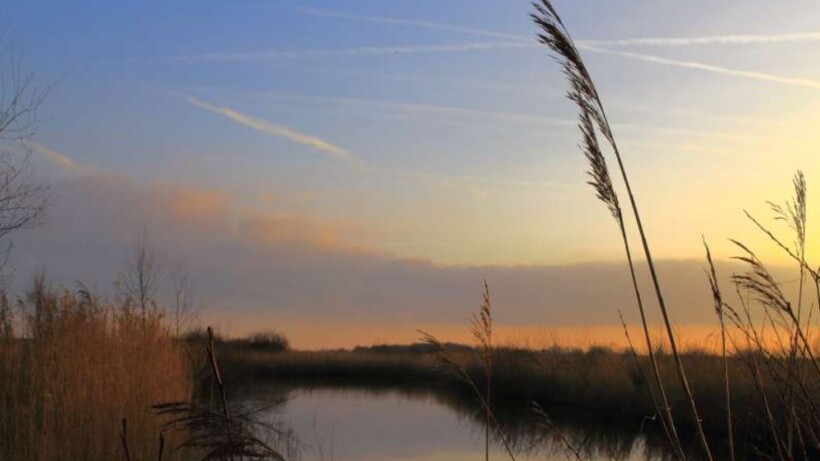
point(322, 136)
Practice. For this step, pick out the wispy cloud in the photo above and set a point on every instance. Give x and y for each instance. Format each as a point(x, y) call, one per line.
point(60, 159)
point(480, 181)
point(728, 39)
point(415, 23)
point(276, 130)
point(272, 129)
point(709, 40)
point(356, 51)
point(794, 81)
point(494, 117)
point(601, 46)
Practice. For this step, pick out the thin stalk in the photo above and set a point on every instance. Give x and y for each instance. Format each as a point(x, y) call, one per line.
point(719, 309)
point(752, 335)
point(666, 428)
point(124, 439)
point(584, 93)
point(684, 382)
point(664, 409)
point(161, 446)
point(215, 368)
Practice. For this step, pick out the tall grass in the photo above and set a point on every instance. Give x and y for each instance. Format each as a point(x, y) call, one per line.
point(482, 329)
point(77, 370)
point(593, 120)
point(785, 371)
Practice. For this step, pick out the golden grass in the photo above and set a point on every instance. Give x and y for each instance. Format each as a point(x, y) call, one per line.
point(79, 367)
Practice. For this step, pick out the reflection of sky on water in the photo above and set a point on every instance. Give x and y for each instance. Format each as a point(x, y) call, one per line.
point(357, 425)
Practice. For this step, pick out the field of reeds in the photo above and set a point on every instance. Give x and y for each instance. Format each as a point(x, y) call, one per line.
point(79, 377)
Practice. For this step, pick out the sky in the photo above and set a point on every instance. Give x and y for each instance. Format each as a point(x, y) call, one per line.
point(318, 166)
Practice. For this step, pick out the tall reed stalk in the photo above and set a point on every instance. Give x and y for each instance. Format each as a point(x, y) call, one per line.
point(717, 297)
point(482, 329)
point(221, 433)
point(483, 334)
point(592, 115)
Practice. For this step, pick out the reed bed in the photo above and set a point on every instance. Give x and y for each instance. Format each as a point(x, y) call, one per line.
point(79, 376)
point(602, 382)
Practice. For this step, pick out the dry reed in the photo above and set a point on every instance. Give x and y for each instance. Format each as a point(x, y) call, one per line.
point(80, 367)
point(592, 116)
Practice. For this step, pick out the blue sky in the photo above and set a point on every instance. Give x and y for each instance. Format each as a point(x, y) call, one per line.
point(429, 131)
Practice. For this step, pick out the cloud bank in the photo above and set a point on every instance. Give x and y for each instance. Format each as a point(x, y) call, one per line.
point(258, 269)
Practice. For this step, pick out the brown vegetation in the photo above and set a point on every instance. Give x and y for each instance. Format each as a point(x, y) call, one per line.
point(77, 370)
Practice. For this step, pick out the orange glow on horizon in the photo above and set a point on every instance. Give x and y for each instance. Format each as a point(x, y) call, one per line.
point(313, 334)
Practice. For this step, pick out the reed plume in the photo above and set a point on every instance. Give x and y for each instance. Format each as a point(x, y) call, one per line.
point(583, 92)
point(789, 365)
point(482, 327)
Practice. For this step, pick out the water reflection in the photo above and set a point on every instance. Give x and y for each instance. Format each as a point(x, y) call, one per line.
point(364, 424)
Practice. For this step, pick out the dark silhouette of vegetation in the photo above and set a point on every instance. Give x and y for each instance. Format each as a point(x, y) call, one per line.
point(789, 361)
point(23, 199)
point(216, 431)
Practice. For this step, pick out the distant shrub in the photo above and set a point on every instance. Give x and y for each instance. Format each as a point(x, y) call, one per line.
point(415, 348)
point(269, 340)
point(200, 336)
point(600, 350)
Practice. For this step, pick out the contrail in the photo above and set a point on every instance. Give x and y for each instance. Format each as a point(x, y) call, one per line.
point(708, 40)
point(519, 119)
point(410, 22)
point(706, 67)
point(480, 180)
point(58, 158)
point(276, 130)
point(357, 51)
point(598, 46)
point(729, 39)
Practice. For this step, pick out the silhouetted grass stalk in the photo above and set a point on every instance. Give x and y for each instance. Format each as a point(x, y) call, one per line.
point(221, 434)
point(585, 95)
point(482, 326)
point(717, 297)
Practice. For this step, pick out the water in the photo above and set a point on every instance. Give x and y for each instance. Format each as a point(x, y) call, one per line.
point(377, 425)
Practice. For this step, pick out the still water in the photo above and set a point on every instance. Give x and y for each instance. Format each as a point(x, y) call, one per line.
point(377, 425)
